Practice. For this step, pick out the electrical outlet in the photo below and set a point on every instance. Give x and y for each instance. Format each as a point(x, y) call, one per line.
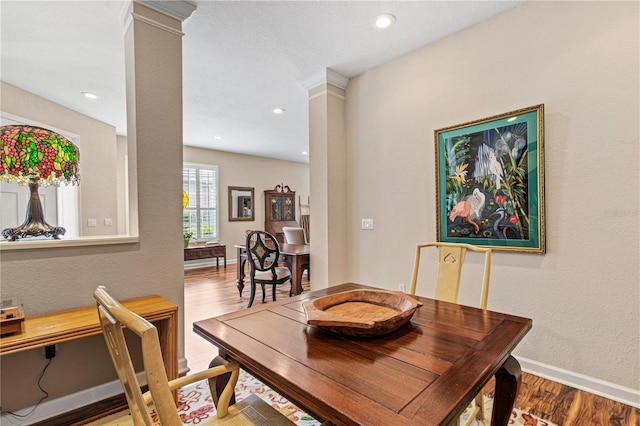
point(402, 288)
point(367, 224)
point(50, 351)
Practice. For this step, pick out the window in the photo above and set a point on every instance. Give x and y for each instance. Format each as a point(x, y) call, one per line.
point(200, 217)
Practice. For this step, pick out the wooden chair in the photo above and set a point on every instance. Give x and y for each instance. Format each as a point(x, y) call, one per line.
point(451, 258)
point(262, 252)
point(114, 318)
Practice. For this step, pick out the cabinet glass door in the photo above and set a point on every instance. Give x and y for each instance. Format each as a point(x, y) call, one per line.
point(289, 213)
point(276, 208)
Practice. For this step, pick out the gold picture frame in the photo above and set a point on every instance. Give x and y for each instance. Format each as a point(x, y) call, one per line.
point(490, 181)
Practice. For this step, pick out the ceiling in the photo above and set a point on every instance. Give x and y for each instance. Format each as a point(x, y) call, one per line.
point(241, 59)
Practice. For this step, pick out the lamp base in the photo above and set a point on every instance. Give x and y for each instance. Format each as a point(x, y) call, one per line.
point(33, 230)
point(34, 224)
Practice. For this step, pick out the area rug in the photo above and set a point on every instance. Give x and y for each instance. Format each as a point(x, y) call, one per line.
point(196, 405)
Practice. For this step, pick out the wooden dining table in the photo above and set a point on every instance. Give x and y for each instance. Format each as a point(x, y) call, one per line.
point(424, 373)
point(294, 256)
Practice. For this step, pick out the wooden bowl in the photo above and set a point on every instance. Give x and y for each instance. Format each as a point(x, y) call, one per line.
point(361, 313)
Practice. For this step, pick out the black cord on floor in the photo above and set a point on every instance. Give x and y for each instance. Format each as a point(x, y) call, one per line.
point(46, 395)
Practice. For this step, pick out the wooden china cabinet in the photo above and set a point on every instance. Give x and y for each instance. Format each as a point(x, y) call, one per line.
point(279, 210)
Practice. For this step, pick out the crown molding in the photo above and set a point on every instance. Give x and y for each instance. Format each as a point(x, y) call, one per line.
point(178, 9)
point(325, 76)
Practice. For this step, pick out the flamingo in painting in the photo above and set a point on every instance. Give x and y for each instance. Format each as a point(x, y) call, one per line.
point(463, 210)
point(470, 209)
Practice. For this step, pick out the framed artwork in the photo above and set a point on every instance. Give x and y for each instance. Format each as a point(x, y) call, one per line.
point(490, 181)
point(241, 204)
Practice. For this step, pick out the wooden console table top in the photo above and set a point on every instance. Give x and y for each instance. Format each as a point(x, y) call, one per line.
point(62, 326)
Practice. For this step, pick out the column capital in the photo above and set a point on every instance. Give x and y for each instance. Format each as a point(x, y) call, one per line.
point(325, 76)
point(178, 9)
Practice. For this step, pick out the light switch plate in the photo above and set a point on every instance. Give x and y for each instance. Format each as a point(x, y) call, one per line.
point(91, 222)
point(367, 224)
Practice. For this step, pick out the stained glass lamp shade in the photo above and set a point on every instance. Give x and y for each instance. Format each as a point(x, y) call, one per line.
point(35, 156)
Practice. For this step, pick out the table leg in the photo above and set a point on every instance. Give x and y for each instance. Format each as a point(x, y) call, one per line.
point(221, 381)
point(508, 379)
point(241, 260)
point(295, 266)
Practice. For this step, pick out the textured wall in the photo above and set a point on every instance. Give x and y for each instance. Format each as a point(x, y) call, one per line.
point(581, 61)
point(49, 280)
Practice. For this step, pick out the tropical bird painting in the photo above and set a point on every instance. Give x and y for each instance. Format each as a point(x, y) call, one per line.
point(486, 196)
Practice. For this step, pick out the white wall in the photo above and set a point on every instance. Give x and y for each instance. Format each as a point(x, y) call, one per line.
point(581, 60)
point(245, 170)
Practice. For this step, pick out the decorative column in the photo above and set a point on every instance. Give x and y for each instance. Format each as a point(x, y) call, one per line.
point(153, 58)
point(327, 180)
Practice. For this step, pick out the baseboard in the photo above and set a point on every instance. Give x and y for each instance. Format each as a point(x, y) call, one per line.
point(209, 263)
point(85, 398)
point(599, 387)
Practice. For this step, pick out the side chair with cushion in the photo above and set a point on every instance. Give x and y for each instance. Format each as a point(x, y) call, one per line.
point(451, 258)
point(113, 319)
point(262, 252)
point(293, 235)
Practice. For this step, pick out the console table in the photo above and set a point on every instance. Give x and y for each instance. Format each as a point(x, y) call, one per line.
point(206, 252)
point(57, 327)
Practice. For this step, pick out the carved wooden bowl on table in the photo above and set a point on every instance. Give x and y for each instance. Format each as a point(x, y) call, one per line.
point(361, 313)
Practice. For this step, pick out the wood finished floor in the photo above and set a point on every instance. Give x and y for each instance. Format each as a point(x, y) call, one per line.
point(211, 292)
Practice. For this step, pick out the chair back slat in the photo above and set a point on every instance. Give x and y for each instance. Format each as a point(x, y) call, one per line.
point(450, 260)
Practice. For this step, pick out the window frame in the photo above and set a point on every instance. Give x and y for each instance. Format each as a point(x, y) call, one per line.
point(198, 209)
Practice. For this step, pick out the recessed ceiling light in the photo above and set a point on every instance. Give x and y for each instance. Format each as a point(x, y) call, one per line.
point(305, 153)
point(218, 138)
point(278, 110)
point(90, 95)
point(384, 21)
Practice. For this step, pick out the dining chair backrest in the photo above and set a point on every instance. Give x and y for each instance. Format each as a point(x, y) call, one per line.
point(262, 250)
point(451, 258)
point(263, 254)
point(293, 235)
